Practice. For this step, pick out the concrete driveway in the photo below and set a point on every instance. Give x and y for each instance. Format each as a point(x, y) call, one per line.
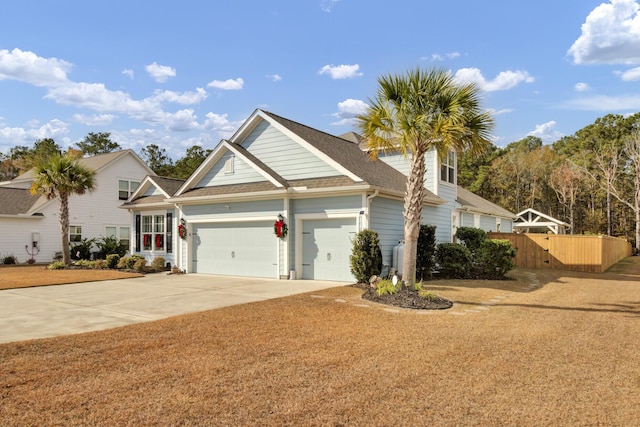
point(49, 311)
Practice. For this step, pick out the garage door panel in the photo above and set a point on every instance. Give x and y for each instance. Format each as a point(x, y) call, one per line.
point(326, 247)
point(236, 249)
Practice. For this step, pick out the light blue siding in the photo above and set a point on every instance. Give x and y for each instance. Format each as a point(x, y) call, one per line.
point(399, 162)
point(440, 216)
point(152, 191)
point(232, 210)
point(386, 219)
point(396, 161)
point(242, 173)
point(285, 156)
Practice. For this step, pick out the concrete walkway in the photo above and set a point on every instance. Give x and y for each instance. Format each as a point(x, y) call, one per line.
point(49, 311)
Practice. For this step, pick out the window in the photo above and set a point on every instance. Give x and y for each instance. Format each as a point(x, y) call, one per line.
point(122, 235)
point(153, 233)
point(75, 233)
point(448, 168)
point(126, 188)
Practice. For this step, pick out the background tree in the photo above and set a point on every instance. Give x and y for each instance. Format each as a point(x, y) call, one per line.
point(158, 160)
point(97, 143)
point(193, 158)
point(413, 113)
point(61, 177)
point(566, 180)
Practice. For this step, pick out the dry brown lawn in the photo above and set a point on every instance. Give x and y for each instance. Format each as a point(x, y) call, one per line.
point(550, 348)
point(39, 275)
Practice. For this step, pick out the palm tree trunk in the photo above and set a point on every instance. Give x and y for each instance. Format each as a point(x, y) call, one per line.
point(413, 200)
point(64, 227)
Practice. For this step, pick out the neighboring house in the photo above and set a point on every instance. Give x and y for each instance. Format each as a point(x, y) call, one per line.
point(325, 187)
point(25, 219)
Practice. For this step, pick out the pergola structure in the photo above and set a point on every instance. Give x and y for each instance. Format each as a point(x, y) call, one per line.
point(531, 219)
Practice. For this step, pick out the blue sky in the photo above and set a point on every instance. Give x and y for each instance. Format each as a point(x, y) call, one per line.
point(178, 74)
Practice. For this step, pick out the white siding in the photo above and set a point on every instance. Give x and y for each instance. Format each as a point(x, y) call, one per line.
point(242, 173)
point(285, 156)
point(16, 234)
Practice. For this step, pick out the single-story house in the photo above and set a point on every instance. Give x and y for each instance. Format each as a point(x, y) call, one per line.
point(225, 218)
point(30, 224)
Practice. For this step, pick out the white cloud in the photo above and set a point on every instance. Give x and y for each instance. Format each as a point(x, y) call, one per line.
point(631, 75)
point(184, 98)
point(348, 110)
point(274, 77)
point(327, 5)
point(341, 71)
point(546, 132)
point(220, 124)
point(128, 72)
point(160, 73)
point(94, 120)
point(20, 136)
point(610, 35)
point(605, 103)
point(181, 121)
point(501, 111)
point(581, 87)
point(30, 68)
point(504, 80)
point(230, 84)
point(440, 57)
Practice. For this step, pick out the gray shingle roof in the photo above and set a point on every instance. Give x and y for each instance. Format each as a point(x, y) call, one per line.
point(467, 199)
point(167, 184)
point(16, 201)
point(352, 158)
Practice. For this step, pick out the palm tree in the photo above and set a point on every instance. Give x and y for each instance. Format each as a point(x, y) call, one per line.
point(62, 176)
point(414, 113)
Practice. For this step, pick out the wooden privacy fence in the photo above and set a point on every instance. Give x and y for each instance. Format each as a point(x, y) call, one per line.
point(593, 254)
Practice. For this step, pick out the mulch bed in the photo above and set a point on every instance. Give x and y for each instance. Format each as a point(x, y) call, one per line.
point(407, 298)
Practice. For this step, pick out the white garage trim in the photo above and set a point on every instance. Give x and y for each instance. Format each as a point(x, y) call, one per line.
point(315, 216)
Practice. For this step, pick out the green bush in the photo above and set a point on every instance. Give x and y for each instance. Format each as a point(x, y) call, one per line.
point(57, 265)
point(85, 263)
point(426, 251)
point(494, 259)
point(158, 263)
point(126, 262)
point(9, 259)
point(366, 256)
point(112, 260)
point(454, 260)
point(386, 287)
point(471, 237)
point(82, 249)
point(110, 245)
point(140, 265)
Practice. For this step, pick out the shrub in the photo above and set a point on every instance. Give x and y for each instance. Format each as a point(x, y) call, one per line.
point(471, 237)
point(57, 256)
point(366, 256)
point(126, 262)
point(426, 251)
point(99, 264)
point(57, 265)
point(110, 245)
point(386, 287)
point(82, 249)
point(140, 265)
point(158, 263)
point(9, 259)
point(454, 260)
point(85, 263)
point(494, 259)
point(112, 260)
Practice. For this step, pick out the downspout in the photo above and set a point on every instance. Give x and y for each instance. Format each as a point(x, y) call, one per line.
point(369, 198)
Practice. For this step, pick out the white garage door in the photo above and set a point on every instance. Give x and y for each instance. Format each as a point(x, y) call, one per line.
point(235, 249)
point(326, 246)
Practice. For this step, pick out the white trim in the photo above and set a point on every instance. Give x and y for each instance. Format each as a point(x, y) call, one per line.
point(231, 219)
point(314, 216)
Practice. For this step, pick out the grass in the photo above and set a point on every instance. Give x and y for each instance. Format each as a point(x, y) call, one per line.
point(550, 348)
point(12, 277)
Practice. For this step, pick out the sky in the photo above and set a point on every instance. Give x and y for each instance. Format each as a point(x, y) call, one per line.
point(178, 74)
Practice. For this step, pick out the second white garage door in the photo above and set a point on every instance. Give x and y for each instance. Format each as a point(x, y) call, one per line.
point(235, 249)
point(326, 246)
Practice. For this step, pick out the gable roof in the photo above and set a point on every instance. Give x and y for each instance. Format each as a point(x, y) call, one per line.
point(474, 203)
point(16, 201)
point(167, 186)
point(531, 218)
